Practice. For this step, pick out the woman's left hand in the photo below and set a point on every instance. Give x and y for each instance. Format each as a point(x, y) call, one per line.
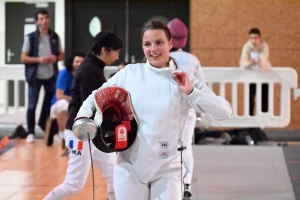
point(183, 82)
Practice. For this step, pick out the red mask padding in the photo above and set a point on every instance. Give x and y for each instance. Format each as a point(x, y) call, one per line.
point(119, 126)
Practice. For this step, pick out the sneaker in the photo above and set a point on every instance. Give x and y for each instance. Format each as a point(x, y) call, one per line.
point(61, 134)
point(187, 194)
point(3, 142)
point(30, 138)
point(56, 138)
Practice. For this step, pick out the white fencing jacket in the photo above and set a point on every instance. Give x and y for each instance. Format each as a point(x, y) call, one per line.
point(161, 110)
point(188, 63)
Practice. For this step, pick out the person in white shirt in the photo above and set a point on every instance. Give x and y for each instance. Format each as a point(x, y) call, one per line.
point(255, 55)
point(190, 64)
point(161, 97)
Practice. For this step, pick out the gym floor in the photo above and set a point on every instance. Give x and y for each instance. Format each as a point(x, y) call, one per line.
point(233, 172)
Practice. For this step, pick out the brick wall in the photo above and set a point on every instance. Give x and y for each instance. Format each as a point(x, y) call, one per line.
point(219, 28)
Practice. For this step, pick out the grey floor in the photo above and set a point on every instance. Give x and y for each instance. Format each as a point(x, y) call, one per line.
point(241, 173)
point(231, 172)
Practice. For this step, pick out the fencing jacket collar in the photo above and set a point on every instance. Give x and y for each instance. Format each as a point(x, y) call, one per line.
point(170, 68)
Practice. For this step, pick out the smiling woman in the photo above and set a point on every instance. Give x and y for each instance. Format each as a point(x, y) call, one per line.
point(156, 47)
point(159, 93)
point(157, 43)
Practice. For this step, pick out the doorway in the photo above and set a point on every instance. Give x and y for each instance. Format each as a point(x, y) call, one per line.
point(19, 21)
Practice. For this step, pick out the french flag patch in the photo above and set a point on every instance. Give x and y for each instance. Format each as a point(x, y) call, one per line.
point(75, 145)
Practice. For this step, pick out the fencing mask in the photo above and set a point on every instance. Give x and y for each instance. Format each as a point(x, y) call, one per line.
point(118, 129)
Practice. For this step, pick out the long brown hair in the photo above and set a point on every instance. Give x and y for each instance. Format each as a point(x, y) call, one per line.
point(154, 25)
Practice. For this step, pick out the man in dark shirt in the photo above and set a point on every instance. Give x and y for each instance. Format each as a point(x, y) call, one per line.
point(89, 77)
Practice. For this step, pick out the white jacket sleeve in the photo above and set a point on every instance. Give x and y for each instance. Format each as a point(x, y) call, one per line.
point(88, 106)
point(202, 99)
point(199, 74)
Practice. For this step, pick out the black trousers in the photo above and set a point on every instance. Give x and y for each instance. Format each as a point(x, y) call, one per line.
point(264, 98)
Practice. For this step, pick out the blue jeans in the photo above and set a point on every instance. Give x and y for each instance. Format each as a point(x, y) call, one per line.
point(33, 97)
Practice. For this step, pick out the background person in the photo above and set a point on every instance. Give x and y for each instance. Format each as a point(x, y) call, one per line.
point(190, 64)
point(41, 51)
point(62, 96)
point(89, 76)
point(255, 55)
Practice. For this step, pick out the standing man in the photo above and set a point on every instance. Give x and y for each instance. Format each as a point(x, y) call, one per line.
point(40, 53)
point(255, 55)
point(190, 64)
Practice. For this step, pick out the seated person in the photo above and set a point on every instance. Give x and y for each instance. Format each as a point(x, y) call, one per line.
point(62, 96)
point(255, 55)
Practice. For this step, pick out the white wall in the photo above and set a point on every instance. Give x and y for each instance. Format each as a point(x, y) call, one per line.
point(59, 23)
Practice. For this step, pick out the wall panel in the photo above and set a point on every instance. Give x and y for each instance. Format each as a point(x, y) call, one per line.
point(219, 29)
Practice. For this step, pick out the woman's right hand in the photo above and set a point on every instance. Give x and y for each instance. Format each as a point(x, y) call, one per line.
point(184, 82)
